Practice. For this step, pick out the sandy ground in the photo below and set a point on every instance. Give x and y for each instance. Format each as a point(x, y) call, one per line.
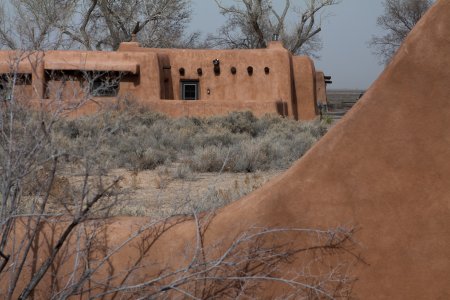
point(160, 193)
point(164, 192)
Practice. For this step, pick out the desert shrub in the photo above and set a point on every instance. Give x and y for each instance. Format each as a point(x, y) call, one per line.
point(237, 122)
point(250, 156)
point(147, 118)
point(217, 136)
point(141, 140)
point(150, 159)
point(210, 159)
point(215, 197)
point(267, 122)
point(183, 171)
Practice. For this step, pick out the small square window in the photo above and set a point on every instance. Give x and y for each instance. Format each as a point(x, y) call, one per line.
point(189, 90)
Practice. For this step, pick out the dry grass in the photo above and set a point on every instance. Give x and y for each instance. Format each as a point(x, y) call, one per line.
point(176, 166)
point(143, 141)
point(159, 193)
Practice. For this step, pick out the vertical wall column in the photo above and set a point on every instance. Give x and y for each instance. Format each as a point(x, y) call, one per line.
point(305, 87)
point(38, 76)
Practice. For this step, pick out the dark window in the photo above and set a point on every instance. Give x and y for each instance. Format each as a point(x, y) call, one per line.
point(18, 79)
point(3, 89)
point(99, 83)
point(189, 90)
point(8, 80)
point(104, 84)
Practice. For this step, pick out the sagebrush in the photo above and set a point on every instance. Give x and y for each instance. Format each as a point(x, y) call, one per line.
point(238, 142)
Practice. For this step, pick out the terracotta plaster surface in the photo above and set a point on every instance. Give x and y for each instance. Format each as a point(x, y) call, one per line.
point(305, 87)
point(274, 85)
point(321, 88)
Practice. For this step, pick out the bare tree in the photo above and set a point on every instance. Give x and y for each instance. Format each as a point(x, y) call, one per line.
point(399, 18)
point(105, 24)
point(252, 24)
point(94, 24)
point(31, 24)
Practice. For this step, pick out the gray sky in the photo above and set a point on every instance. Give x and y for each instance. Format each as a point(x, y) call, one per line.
point(345, 32)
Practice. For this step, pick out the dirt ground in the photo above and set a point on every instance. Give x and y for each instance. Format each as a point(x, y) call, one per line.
point(164, 192)
point(157, 193)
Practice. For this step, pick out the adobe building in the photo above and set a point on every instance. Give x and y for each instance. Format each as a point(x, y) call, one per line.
point(176, 82)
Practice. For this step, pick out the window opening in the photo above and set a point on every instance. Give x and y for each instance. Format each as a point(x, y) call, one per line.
point(190, 90)
point(104, 84)
point(8, 80)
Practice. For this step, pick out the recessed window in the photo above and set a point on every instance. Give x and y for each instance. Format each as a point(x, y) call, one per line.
point(4, 95)
point(189, 90)
point(104, 84)
point(18, 79)
point(7, 81)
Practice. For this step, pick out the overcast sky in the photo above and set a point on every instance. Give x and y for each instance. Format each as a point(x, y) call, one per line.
point(345, 32)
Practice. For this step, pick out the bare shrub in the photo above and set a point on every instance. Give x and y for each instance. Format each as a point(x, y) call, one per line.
point(140, 140)
point(216, 197)
point(209, 159)
point(163, 178)
point(151, 158)
point(183, 171)
point(237, 122)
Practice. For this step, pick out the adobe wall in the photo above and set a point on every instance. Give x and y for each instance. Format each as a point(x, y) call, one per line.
point(321, 88)
point(204, 108)
point(228, 87)
point(274, 85)
point(304, 75)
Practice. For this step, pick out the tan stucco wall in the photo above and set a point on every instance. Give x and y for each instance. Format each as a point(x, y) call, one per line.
point(201, 108)
point(321, 88)
point(274, 86)
point(305, 87)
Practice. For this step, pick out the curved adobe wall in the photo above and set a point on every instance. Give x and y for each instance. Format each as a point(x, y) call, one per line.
point(304, 75)
point(321, 88)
